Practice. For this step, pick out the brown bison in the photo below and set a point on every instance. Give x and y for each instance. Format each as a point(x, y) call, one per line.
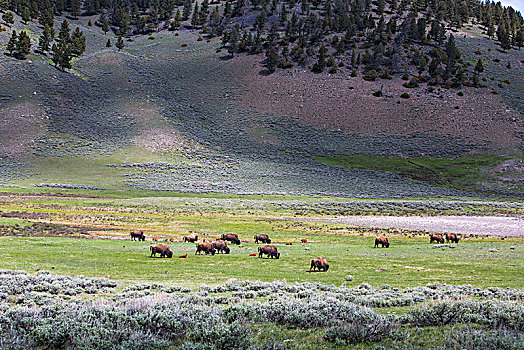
point(231, 237)
point(137, 234)
point(221, 246)
point(269, 250)
point(436, 237)
point(263, 238)
point(451, 237)
point(320, 264)
point(162, 249)
point(191, 238)
point(205, 247)
point(383, 241)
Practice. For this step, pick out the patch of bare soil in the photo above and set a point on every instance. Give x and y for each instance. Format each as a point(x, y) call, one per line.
point(466, 225)
point(342, 103)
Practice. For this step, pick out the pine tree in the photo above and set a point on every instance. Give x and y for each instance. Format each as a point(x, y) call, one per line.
point(63, 34)
point(195, 20)
point(187, 9)
point(78, 42)
point(271, 59)
point(479, 68)
point(108, 44)
point(8, 18)
point(11, 45)
point(26, 15)
point(23, 46)
point(45, 40)
point(503, 37)
point(380, 7)
point(64, 61)
point(519, 38)
point(75, 8)
point(119, 43)
point(55, 54)
point(234, 38)
point(104, 22)
point(453, 54)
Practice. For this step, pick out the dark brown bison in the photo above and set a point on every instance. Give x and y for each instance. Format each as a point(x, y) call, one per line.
point(320, 264)
point(383, 241)
point(137, 234)
point(205, 247)
point(231, 237)
point(262, 238)
point(221, 246)
point(451, 237)
point(269, 250)
point(162, 249)
point(436, 237)
point(191, 238)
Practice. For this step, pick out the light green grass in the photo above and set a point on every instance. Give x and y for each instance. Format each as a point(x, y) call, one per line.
point(405, 263)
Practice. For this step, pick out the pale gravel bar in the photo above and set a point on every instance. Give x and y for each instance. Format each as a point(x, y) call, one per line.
point(476, 225)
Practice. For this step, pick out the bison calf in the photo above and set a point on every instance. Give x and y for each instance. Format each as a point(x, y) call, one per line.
point(451, 237)
point(436, 237)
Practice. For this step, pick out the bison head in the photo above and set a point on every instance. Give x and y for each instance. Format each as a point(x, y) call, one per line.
point(278, 255)
point(169, 254)
point(387, 244)
point(227, 250)
point(326, 267)
point(213, 251)
point(268, 240)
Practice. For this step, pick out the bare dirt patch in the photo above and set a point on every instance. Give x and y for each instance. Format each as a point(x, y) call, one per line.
point(471, 225)
point(21, 125)
point(343, 103)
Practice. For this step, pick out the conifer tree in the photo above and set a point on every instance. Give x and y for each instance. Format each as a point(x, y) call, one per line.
point(234, 39)
point(503, 37)
point(119, 43)
point(23, 46)
point(45, 40)
point(11, 45)
point(186, 11)
point(8, 18)
point(55, 54)
point(78, 42)
point(519, 38)
point(195, 20)
point(108, 44)
point(453, 54)
point(63, 34)
point(26, 15)
point(104, 22)
point(75, 8)
point(479, 68)
point(271, 59)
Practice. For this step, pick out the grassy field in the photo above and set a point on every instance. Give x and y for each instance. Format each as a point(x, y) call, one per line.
point(407, 263)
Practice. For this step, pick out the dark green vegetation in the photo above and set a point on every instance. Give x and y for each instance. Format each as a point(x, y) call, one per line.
point(466, 173)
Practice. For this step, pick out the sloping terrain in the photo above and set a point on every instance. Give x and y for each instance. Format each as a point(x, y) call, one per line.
point(186, 118)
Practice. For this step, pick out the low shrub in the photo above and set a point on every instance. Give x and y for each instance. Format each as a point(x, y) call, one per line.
point(405, 95)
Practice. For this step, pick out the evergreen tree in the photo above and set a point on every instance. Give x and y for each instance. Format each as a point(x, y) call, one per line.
point(63, 34)
point(120, 43)
point(108, 44)
point(321, 64)
point(519, 38)
point(8, 18)
point(479, 68)
point(195, 20)
point(23, 46)
point(75, 8)
point(55, 54)
point(234, 38)
point(78, 42)
point(45, 40)
point(104, 22)
point(503, 37)
point(64, 61)
point(187, 9)
point(271, 59)
point(11, 45)
point(453, 54)
point(26, 15)
point(380, 7)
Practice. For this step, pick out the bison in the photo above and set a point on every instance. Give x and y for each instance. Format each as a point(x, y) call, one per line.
point(269, 250)
point(303, 240)
point(320, 264)
point(263, 238)
point(137, 234)
point(221, 246)
point(436, 237)
point(191, 238)
point(451, 237)
point(231, 237)
point(205, 247)
point(383, 241)
point(162, 249)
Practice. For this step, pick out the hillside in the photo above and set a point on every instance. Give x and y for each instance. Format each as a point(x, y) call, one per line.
point(169, 112)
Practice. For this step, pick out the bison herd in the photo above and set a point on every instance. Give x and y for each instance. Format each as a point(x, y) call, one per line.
point(220, 246)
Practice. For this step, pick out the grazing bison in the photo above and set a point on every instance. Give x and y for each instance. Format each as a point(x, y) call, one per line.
point(320, 264)
point(221, 246)
point(231, 237)
point(191, 238)
point(263, 238)
point(383, 241)
point(269, 250)
point(436, 237)
point(162, 249)
point(205, 247)
point(137, 234)
point(451, 237)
